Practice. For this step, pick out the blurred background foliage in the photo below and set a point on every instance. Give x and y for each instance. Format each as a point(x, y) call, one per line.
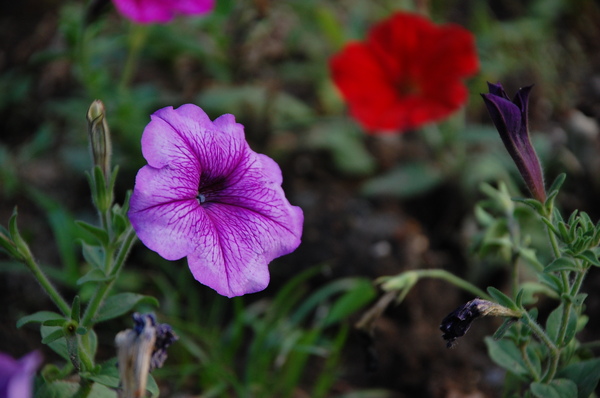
point(373, 205)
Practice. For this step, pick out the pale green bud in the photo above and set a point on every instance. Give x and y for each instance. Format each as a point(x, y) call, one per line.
point(99, 137)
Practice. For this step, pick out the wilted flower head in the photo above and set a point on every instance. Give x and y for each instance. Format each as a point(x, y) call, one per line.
point(161, 11)
point(16, 376)
point(510, 119)
point(407, 73)
point(140, 351)
point(207, 196)
point(458, 322)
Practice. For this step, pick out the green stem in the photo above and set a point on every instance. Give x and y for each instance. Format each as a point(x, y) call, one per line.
point(85, 388)
point(137, 37)
point(455, 280)
point(48, 286)
point(105, 287)
point(84, 352)
point(590, 345)
point(532, 371)
point(552, 368)
point(540, 333)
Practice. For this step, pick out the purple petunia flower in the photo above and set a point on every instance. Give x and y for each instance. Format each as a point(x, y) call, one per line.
point(16, 376)
point(161, 11)
point(207, 196)
point(510, 119)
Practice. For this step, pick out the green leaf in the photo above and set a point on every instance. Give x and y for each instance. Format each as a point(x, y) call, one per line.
point(122, 303)
point(557, 388)
point(39, 317)
point(100, 234)
point(55, 335)
point(553, 324)
point(552, 282)
point(584, 374)
point(75, 309)
point(93, 255)
point(502, 298)
point(589, 256)
point(357, 297)
point(152, 387)
point(95, 275)
point(60, 345)
point(534, 204)
point(54, 322)
point(405, 181)
point(506, 354)
point(558, 182)
point(61, 388)
point(108, 374)
point(508, 322)
point(561, 264)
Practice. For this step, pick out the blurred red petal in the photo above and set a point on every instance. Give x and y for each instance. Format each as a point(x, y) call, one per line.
point(408, 73)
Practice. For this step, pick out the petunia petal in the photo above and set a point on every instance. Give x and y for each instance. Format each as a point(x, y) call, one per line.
point(161, 11)
point(206, 195)
point(164, 210)
point(240, 244)
point(407, 73)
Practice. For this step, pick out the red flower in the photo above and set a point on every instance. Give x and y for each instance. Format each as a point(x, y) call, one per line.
point(409, 72)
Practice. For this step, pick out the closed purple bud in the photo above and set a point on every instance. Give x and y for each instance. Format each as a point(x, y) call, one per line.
point(510, 119)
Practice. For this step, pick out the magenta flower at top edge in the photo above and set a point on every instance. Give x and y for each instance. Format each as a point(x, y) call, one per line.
point(161, 11)
point(207, 196)
point(510, 119)
point(16, 375)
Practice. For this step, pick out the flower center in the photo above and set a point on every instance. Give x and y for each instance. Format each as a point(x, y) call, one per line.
point(407, 87)
point(201, 198)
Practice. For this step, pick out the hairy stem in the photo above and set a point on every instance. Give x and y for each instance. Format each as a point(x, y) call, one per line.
point(48, 287)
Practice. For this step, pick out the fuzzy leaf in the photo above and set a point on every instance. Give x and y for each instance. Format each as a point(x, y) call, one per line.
point(39, 317)
point(557, 388)
point(122, 303)
point(585, 374)
point(501, 298)
point(590, 257)
point(561, 264)
point(553, 324)
point(506, 354)
point(94, 275)
point(55, 335)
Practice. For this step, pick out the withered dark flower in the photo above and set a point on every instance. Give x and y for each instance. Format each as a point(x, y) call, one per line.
point(141, 350)
point(458, 322)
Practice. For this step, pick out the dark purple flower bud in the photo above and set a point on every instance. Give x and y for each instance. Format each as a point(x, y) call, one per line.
point(510, 119)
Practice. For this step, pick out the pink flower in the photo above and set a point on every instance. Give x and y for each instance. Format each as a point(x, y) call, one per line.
point(207, 196)
point(161, 11)
point(16, 376)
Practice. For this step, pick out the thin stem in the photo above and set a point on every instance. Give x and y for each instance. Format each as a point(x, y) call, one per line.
point(48, 286)
point(532, 371)
point(552, 368)
point(85, 388)
point(540, 333)
point(137, 38)
point(84, 352)
point(455, 280)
